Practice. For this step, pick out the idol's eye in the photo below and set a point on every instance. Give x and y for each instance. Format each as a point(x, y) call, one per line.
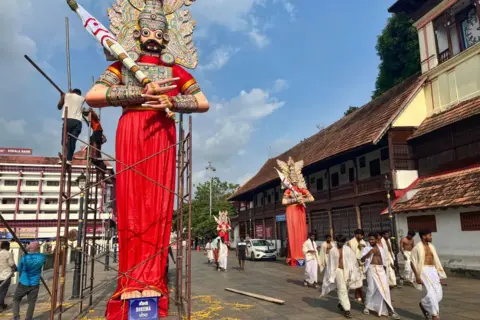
point(145, 32)
point(166, 37)
point(159, 35)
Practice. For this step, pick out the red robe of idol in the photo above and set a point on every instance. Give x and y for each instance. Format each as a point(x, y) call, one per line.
point(296, 228)
point(146, 140)
point(222, 229)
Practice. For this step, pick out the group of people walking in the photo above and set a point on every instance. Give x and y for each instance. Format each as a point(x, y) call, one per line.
point(346, 264)
point(216, 251)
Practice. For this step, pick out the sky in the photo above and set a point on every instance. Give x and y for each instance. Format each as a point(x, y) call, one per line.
point(273, 71)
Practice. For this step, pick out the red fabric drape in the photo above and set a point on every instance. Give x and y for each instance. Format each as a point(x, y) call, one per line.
point(144, 209)
point(296, 229)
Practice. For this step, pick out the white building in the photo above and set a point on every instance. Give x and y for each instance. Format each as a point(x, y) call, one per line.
point(29, 194)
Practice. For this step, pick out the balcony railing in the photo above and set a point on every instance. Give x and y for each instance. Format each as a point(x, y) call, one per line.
point(444, 56)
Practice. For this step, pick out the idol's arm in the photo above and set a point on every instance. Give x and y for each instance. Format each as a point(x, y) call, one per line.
point(203, 104)
point(308, 197)
point(288, 199)
point(108, 91)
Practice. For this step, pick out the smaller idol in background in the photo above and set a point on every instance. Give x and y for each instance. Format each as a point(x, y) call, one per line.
point(223, 225)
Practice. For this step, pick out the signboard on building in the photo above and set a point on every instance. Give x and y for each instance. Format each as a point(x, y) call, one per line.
point(98, 231)
point(259, 231)
point(281, 218)
point(268, 232)
point(25, 233)
point(19, 151)
point(143, 309)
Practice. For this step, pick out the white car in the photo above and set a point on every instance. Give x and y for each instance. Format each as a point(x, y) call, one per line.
point(261, 249)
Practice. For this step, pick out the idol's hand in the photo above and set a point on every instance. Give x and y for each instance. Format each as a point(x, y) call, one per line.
point(156, 88)
point(157, 102)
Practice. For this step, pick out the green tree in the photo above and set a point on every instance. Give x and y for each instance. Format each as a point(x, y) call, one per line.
point(202, 223)
point(398, 49)
point(349, 110)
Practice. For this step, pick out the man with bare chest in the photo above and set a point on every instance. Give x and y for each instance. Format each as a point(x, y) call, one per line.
point(375, 261)
point(325, 248)
point(428, 271)
point(406, 247)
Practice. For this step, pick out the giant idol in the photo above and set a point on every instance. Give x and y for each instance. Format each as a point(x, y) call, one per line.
point(155, 38)
point(294, 197)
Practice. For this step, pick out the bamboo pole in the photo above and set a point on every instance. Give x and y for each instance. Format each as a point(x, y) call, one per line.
point(256, 296)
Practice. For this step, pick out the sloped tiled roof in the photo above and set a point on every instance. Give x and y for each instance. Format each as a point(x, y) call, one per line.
point(458, 188)
point(365, 126)
point(461, 111)
point(26, 160)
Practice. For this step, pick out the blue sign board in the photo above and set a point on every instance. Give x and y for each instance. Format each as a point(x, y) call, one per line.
point(281, 218)
point(143, 309)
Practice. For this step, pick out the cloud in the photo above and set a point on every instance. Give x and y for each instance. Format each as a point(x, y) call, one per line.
point(258, 38)
point(239, 16)
point(219, 58)
point(227, 128)
point(243, 179)
point(279, 85)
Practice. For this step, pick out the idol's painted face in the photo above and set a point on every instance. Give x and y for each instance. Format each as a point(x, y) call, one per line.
point(153, 40)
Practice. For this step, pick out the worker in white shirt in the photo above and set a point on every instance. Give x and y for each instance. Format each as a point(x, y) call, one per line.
point(7, 266)
point(74, 101)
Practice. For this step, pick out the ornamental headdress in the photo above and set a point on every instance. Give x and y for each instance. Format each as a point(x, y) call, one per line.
point(293, 172)
point(127, 16)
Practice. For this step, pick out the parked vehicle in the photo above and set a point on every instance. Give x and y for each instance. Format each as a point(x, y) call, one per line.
point(261, 249)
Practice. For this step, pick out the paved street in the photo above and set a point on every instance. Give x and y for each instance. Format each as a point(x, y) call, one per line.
point(275, 279)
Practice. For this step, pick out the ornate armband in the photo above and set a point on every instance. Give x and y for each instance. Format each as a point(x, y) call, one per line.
point(123, 95)
point(184, 104)
point(291, 200)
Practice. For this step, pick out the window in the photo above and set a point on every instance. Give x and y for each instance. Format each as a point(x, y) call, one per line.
point(351, 174)
point(29, 201)
point(374, 168)
point(312, 179)
point(343, 168)
point(53, 183)
point(419, 223)
point(277, 197)
point(10, 182)
point(384, 154)
point(8, 201)
point(320, 184)
point(31, 183)
point(269, 198)
point(361, 162)
point(74, 183)
point(335, 179)
point(470, 221)
point(8, 212)
point(29, 212)
point(74, 201)
point(51, 201)
point(456, 31)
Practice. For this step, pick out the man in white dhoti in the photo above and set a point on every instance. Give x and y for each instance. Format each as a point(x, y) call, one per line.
point(378, 293)
point(428, 271)
point(222, 255)
point(309, 249)
point(406, 247)
point(341, 273)
point(387, 246)
point(357, 244)
point(325, 248)
point(209, 251)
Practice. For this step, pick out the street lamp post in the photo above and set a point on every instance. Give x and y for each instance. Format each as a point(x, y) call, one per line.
point(211, 169)
point(393, 226)
point(108, 236)
point(82, 179)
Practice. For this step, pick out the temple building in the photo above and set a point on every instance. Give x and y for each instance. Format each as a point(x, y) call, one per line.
point(419, 142)
point(29, 194)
